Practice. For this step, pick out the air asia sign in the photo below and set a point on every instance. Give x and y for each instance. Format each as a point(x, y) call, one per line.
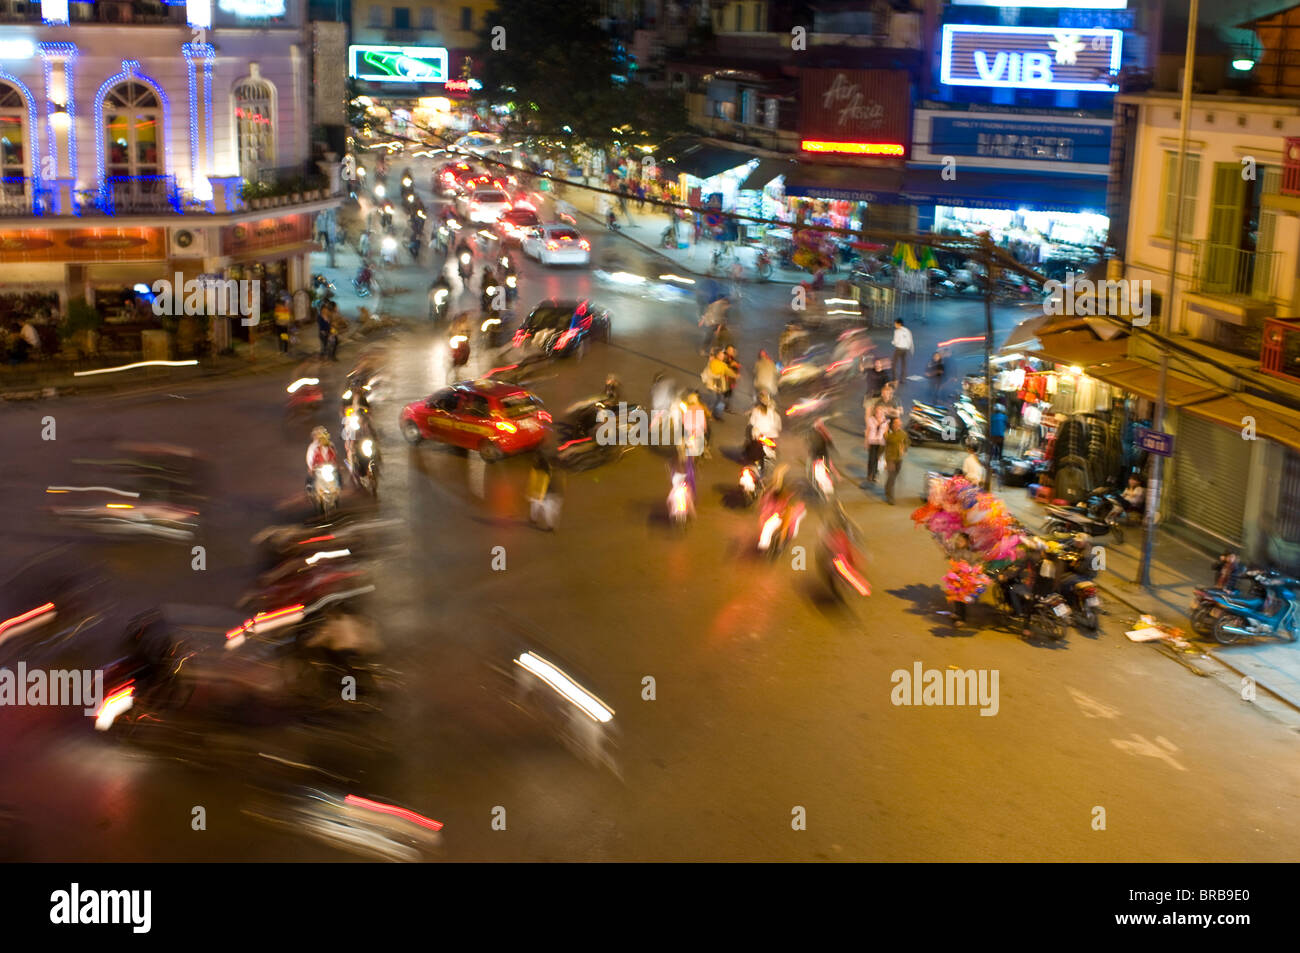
point(1030, 57)
point(398, 64)
point(858, 112)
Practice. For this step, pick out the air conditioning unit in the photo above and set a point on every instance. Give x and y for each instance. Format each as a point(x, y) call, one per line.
point(187, 243)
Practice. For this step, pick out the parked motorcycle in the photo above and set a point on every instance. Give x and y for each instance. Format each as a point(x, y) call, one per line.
point(955, 424)
point(1233, 581)
point(1278, 617)
point(1073, 520)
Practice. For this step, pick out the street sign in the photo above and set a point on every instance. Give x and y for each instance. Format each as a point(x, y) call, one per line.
point(1153, 441)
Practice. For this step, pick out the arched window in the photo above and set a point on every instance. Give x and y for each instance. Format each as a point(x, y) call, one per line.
point(13, 150)
point(254, 127)
point(132, 131)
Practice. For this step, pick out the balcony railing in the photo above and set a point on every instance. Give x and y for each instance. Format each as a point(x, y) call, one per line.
point(1291, 166)
point(133, 195)
point(1221, 269)
point(1280, 351)
point(22, 196)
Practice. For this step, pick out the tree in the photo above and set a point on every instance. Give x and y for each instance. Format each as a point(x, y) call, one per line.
point(557, 70)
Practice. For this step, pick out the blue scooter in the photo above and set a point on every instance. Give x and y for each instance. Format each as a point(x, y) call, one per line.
point(1279, 616)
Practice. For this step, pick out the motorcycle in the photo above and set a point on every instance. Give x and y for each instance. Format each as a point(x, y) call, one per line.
point(363, 282)
point(464, 265)
point(325, 488)
point(440, 305)
point(759, 458)
point(1073, 520)
point(681, 501)
point(840, 559)
point(821, 474)
point(459, 344)
point(779, 524)
point(763, 264)
point(1229, 579)
point(413, 248)
point(1048, 614)
point(512, 288)
point(929, 423)
point(1279, 616)
point(386, 216)
point(1072, 576)
point(321, 286)
point(364, 461)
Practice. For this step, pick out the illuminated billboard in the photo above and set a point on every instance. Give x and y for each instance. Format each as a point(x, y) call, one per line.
point(1049, 4)
point(398, 64)
point(1030, 57)
point(252, 9)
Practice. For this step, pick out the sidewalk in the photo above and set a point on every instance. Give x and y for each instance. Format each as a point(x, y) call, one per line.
point(647, 228)
point(1177, 569)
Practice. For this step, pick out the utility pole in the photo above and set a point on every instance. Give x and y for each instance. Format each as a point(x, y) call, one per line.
point(987, 253)
point(1154, 485)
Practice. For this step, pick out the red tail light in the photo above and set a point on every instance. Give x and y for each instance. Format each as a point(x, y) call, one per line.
point(544, 417)
point(393, 811)
point(566, 337)
point(584, 245)
point(851, 577)
point(552, 245)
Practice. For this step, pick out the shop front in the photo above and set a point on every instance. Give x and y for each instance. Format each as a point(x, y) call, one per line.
point(1034, 181)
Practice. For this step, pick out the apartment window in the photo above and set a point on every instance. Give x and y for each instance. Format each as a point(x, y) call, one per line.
point(132, 114)
point(401, 18)
point(1170, 195)
point(427, 21)
point(376, 16)
point(466, 18)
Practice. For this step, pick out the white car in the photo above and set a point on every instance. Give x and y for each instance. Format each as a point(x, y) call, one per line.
point(478, 142)
point(485, 205)
point(557, 244)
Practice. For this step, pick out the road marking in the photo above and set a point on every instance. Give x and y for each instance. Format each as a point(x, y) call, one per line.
point(1160, 748)
point(1090, 707)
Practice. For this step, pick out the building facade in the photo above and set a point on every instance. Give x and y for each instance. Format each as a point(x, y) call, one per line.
point(144, 139)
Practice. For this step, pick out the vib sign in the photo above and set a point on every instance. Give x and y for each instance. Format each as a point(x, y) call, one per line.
point(1030, 57)
point(398, 64)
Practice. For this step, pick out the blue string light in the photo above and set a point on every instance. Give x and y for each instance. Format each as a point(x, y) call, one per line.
point(49, 53)
point(202, 52)
point(130, 71)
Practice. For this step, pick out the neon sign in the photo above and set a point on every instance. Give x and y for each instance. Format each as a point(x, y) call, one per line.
point(398, 64)
point(463, 85)
point(1029, 57)
point(853, 148)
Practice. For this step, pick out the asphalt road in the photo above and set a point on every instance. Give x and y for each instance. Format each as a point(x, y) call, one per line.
point(768, 698)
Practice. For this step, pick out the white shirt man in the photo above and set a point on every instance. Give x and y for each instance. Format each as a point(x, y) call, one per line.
point(902, 351)
point(765, 421)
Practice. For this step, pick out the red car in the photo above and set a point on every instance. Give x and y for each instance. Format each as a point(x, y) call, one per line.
point(495, 418)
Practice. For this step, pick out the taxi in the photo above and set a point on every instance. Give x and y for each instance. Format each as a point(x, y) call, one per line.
point(494, 418)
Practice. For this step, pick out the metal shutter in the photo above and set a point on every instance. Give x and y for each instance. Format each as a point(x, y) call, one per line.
point(1209, 488)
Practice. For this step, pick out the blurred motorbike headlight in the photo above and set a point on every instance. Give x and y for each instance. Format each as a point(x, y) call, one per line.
point(368, 447)
point(379, 191)
point(327, 472)
point(440, 296)
point(389, 243)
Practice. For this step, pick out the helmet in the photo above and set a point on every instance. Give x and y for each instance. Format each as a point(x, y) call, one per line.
point(320, 434)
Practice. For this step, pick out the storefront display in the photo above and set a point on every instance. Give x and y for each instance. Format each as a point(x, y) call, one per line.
point(1032, 237)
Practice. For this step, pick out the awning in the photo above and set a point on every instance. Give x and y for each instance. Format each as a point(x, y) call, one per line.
point(1271, 422)
point(766, 171)
point(1034, 191)
point(1144, 380)
point(846, 183)
point(693, 157)
point(1080, 348)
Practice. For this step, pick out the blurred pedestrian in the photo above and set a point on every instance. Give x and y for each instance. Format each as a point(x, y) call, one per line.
point(722, 336)
point(877, 430)
point(935, 372)
point(716, 377)
point(766, 377)
point(961, 551)
point(733, 362)
point(323, 328)
point(338, 325)
point(538, 492)
point(902, 350)
point(714, 314)
point(887, 399)
point(997, 432)
point(283, 322)
point(877, 377)
point(896, 444)
point(640, 196)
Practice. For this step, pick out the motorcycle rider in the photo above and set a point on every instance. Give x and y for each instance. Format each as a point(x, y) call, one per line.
point(765, 418)
point(440, 287)
point(319, 452)
point(353, 419)
point(488, 289)
point(365, 276)
point(613, 392)
point(464, 260)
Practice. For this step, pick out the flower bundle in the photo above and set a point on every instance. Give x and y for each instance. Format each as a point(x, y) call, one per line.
point(964, 582)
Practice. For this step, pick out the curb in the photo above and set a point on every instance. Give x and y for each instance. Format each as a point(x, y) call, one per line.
point(1283, 697)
